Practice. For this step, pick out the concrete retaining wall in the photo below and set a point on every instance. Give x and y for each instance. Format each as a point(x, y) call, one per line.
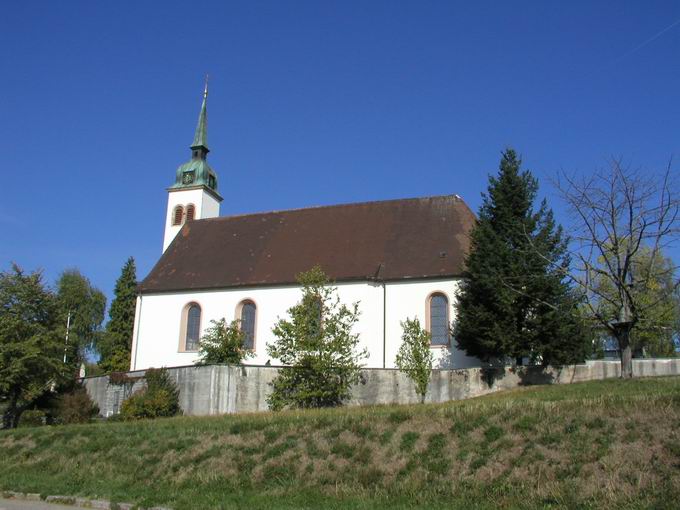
point(220, 389)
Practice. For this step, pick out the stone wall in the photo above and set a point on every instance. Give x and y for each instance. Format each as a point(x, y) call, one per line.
point(219, 389)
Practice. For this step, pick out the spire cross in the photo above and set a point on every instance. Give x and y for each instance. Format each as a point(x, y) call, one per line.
point(205, 91)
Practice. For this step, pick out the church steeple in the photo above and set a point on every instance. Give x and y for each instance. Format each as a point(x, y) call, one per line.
point(194, 194)
point(197, 172)
point(201, 135)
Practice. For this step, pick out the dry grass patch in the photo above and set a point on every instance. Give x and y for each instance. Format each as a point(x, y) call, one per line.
point(602, 445)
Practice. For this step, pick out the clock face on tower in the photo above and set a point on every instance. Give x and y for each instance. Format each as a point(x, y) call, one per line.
point(188, 178)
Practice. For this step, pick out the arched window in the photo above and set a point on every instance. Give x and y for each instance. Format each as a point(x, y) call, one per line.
point(193, 327)
point(190, 212)
point(177, 215)
point(247, 315)
point(439, 319)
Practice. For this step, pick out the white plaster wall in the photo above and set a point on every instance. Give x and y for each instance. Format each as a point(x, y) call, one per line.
point(157, 335)
point(158, 330)
point(408, 299)
point(210, 207)
point(206, 206)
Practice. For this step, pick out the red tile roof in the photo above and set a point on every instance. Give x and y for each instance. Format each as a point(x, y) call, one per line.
point(387, 240)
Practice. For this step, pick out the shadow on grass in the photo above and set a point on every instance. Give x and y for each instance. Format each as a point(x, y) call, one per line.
point(533, 375)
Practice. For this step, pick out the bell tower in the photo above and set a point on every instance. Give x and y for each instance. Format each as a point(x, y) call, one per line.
point(194, 194)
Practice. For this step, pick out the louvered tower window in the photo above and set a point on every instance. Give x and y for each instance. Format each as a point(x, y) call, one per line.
point(190, 212)
point(177, 215)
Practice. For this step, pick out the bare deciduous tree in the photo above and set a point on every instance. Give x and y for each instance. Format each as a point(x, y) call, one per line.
point(618, 212)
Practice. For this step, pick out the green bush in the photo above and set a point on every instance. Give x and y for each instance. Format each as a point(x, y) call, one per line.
point(317, 346)
point(415, 357)
point(32, 418)
point(223, 343)
point(76, 407)
point(159, 398)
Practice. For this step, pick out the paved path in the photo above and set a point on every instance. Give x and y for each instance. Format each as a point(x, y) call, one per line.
point(19, 504)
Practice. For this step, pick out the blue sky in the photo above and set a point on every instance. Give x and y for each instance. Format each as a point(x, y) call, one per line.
point(310, 103)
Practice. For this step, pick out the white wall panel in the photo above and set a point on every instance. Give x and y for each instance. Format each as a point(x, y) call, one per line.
point(157, 340)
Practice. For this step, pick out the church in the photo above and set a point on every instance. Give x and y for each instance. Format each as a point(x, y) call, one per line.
point(398, 259)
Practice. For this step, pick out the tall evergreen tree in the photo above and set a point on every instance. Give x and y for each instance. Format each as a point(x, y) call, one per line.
point(117, 341)
point(514, 300)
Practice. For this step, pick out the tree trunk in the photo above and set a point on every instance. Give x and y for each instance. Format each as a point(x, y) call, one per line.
point(10, 416)
point(623, 337)
point(7, 419)
point(17, 415)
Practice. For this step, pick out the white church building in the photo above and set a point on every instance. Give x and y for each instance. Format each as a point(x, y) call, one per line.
point(398, 258)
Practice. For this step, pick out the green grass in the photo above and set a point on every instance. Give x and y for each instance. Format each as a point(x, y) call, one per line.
point(607, 444)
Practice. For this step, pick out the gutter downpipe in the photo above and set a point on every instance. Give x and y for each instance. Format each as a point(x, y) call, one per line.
point(384, 328)
point(136, 339)
point(380, 277)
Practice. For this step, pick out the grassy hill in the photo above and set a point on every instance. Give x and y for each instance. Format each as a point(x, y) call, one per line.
point(607, 444)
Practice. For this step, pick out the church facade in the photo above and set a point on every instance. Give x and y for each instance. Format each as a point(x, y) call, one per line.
point(398, 259)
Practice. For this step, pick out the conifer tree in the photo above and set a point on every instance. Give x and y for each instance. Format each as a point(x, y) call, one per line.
point(514, 300)
point(116, 343)
point(318, 346)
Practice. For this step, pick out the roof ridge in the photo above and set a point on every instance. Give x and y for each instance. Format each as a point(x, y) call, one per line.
point(456, 197)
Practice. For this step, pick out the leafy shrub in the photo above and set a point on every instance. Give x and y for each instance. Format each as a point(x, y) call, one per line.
point(223, 343)
point(32, 418)
point(318, 348)
point(145, 404)
point(159, 379)
point(159, 398)
point(76, 407)
point(414, 357)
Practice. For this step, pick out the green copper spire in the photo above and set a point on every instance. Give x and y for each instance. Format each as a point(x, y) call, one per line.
point(201, 135)
point(197, 173)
